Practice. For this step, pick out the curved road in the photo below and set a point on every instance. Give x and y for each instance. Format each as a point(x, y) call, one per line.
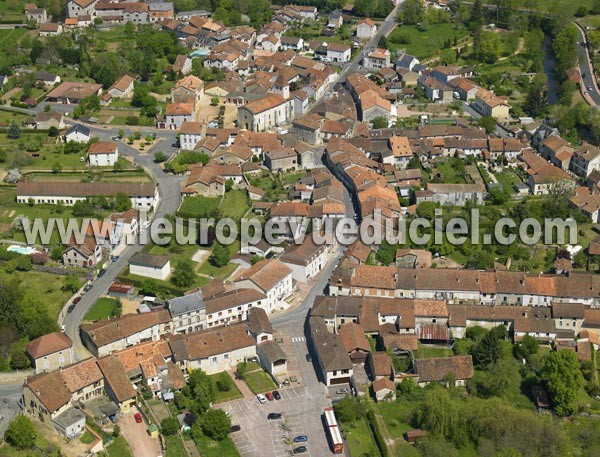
point(170, 197)
point(586, 68)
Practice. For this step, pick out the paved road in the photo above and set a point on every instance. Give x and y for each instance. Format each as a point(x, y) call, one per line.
point(170, 197)
point(586, 68)
point(9, 404)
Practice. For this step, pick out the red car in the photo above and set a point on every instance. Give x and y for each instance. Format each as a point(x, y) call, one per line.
point(76, 300)
point(138, 418)
point(269, 396)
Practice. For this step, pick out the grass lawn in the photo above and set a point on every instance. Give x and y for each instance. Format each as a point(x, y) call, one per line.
point(424, 43)
point(209, 269)
point(87, 438)
point(165, 288)
point(210, 448)
point(259, 382)
point(10, 35)
point(235, 204)
point(45, 288)
point(102, 309)
point(176, 252)
point(174, 446)
point(396, 416)
point(458, 257)
point(118, 448)
point(222, 396)
point(507, 179)
point(198, 206)
point(428, 352)
point(448, 174)
point(359, 438)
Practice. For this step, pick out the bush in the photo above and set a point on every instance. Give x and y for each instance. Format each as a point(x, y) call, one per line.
point(20, 433)
point(169, 426)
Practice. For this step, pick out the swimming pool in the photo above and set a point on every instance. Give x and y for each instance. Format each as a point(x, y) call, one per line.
point(199, 53)
point(24, 250)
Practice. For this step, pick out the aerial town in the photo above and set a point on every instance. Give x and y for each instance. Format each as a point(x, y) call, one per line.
point(473, 125)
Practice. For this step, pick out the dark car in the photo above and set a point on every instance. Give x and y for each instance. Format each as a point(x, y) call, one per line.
point(88, 287)
point(76, 300)
point(70, 308)
point(308, 358)
point(101, 273)
point(235, 428)
point(301, 439)
point(276, 395)
point(300, 450)
point(274, 416)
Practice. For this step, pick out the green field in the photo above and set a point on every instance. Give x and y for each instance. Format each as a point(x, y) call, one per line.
point(222, 396)
point(104, 308)
point(235, 204)
point(174, 446)
point(198, 206)
point(426, 42)
point(10, 35)
point(259, 382)
point(429, 352)
point(359, 438)
point(508, 179)
point(210, 448)
point(119, 448)
point(209, 269)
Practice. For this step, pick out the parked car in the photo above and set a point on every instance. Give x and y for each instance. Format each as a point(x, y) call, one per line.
point(87, 287)
point(115, 258)
point(138, 418)
point(116, 138)
point(308, 358)
point(276, 395)
point(71, 308)
point(342, 391)
point(301, 439)
point(269, 396)
point(274, 416)
point(235, 428)
point(102, 272)
point(76, 300)
point(300, 450)
point(261, 398)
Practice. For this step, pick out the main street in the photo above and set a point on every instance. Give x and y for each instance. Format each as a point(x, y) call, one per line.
point(169, 187)
point(586, 68)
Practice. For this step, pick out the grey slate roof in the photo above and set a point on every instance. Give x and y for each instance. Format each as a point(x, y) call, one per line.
point(329, 347)
point(185, 304)
point(79, 128)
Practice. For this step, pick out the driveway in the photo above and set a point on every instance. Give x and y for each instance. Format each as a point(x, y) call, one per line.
point(141, 444)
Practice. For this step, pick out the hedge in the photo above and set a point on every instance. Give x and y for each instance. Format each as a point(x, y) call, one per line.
point(379, 439)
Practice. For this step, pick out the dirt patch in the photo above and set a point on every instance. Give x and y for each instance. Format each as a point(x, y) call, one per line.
point(130, 306)
point(200, 256)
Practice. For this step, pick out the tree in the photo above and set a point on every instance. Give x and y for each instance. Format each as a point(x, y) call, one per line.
point(477, 18)
point(169, 426)
point(183, 274)
point(71, 284)
point(488, 123)
point(19, 361)
point(411, 12)
point(20, 433)
point(486, 46)
point(488, 350)
point(14, 131)
point(160, 157)
point(220, 255)
point(536, 103)
point(224, 382)
point(122, 202)
point(201, 390)
point(214, 101)
point(52, 131)
point(563, 381)
point(349, 409)
point(527, 347)
point(379, 122)
point(215, 424)
point(564, 45)
point(56, 168)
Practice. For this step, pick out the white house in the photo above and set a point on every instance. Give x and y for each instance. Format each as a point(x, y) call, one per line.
point(271, 277)
point(190, 133)
point(78, 133)
point(337, 52)
point(266, 113)
point(188, 313)
point(178, 113)
point(143, 196)
point(213, 350)
point(150, 266)
point(103, 154)
point(305, 260)
point(232, 306)
point(365, 29)
point(77, 8)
